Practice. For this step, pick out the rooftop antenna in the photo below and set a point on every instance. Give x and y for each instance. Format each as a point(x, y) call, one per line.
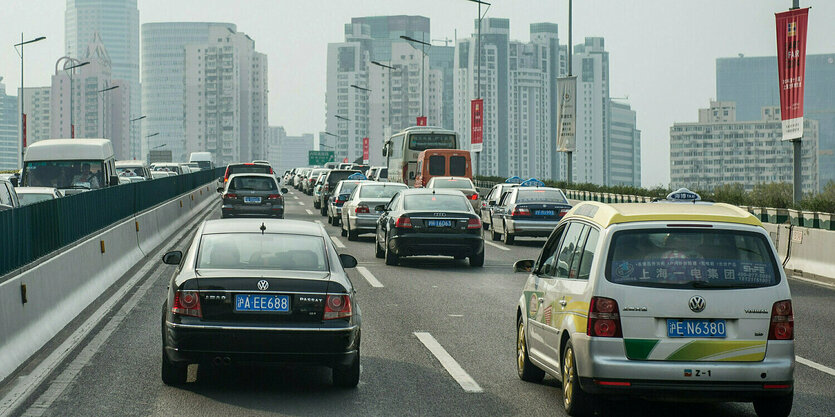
point(263, 228)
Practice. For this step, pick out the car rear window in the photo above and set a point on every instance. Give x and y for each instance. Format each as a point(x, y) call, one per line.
point(336, 176)
point(460, 184)
point(457, 166)
point(437, 165)
point(262, 251)
point(253, 184)
point(540, 196)
point(380, 191)
point(691, 259)
point(436, 202)
point(347, 187)
point(249, 169)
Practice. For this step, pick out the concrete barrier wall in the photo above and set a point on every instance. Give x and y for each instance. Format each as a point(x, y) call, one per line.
point(62, 286)
point(810, 252)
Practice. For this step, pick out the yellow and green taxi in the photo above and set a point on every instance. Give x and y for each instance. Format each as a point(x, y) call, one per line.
point(679, 299)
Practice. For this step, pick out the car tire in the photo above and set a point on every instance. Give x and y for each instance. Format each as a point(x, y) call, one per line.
point(495, 236)
point(774, 407)
point(391, 258)
point(378, 252)
point(347, 377)
point(576, 401)
point(352, 234)
point(477, 260)
point(485, 225)
point(173, 373)
point(343, 232)
point(323, 210)
point(526, 370)
point(316, 204)
point(336, 221)
point(507, 238)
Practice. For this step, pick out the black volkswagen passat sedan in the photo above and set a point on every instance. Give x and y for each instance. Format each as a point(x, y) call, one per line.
point(261, 291)
point(425, 221)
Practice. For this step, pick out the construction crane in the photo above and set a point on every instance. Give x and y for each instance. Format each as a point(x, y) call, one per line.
point(445, 40)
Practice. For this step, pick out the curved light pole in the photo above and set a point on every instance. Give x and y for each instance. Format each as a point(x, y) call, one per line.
point(422, 70)
point(22, 114)
point(72, 68)
point(478, 67)
point(104, 110)
point(367, 107)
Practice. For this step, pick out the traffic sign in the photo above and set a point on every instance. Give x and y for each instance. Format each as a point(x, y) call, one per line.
point(319, 157)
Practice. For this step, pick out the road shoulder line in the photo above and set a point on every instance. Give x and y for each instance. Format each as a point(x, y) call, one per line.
point(448, 362)
point(823, 368)
point(369, 277)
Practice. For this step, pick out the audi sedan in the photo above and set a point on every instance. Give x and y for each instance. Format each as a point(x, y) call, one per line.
point(252, 195)
point(255, 291)
point(422, 221)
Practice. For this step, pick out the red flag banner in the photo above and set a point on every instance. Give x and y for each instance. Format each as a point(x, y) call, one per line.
point(364, 150)
point(791, 65)
point(476, 125)
point(421, 121)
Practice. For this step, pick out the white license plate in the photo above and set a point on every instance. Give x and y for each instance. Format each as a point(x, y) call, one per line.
point(255, 200)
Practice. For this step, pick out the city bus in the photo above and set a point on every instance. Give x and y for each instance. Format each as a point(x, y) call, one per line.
point(403, 148)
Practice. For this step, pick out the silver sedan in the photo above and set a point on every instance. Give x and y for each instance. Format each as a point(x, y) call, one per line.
point(360, 214)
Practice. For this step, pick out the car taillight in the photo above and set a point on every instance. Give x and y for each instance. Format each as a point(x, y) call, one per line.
point(326, 188)
point(230, 195)
point(604, 318)
point(563, 212)
point(474, 224)
point(187, 303)
point(271, 170)
point(474, 197)
point(274, 197)
point(782, 321)
point(337, 307)
point(362, 209)
point(338, 201)
point(521, 211)
point(403, 222)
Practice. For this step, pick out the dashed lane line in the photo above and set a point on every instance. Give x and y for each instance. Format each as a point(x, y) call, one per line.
point(301, 203)
point(295, 197)
point(497, 246)
point(448, 362)
point(369, 277)
point(310, 212)
point(823, 368)
point(337, 242)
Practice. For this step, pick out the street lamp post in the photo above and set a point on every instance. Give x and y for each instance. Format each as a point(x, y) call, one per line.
point(22, 114)
point(104, 110)
point(130, 134)
point(72, 68)
point(478, 67)
point(391, 125)
point(367, 91)
point(422, 70)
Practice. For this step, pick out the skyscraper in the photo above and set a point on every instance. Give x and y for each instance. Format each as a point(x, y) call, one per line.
point(9, 114)
point(591, 66)
point(624, 146)
point(117, 22)
point(37, 109)
point(163, 81)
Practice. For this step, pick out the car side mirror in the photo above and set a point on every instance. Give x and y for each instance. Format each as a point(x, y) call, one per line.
point(13, 180)
point(347, 261)
point(525, 265)
point(284, 191)
point(114, 180)
point(173, 257)
point(491, 203)
point(220, 189)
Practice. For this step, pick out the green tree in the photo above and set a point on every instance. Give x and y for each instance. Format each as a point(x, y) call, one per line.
point(731, 193)
point(775, 194)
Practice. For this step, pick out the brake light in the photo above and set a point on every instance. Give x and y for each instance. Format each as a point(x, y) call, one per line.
point(274, 197)
point(521, 211)
point(604, 318)
point(776, 386)
point(271, 170)
point(403, 222)
point(613, 383)
point(362, 209)
point(474, 224)
point(782, 321)
point(563, 212)
point(187, 303)
point(337, 307)
point(230, 195)
point(474, 197)
point(226, 175)
point(338, 201)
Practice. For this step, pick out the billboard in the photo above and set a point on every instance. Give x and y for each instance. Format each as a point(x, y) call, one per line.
point(364, 150)
point(566, 114)
point(791, 68)
point(477, 125)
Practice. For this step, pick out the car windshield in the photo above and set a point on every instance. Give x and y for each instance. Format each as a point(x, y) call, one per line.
point(457, 183)
point(64, 174)
point(436, 202)
point(336, 176)
point(540, 196)
point(249, 169)
point(424, 141)
point(691, 258)
point(262, 251)
point(129, 171)
point(380, 191)
point(384, 173)
point(29, 198)
point(253, 184)
point(347, 187)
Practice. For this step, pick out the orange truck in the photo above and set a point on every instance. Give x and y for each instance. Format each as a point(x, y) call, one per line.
point(442, 163)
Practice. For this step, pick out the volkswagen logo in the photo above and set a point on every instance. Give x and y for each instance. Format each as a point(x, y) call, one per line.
point(697, 304)
point(263, 285)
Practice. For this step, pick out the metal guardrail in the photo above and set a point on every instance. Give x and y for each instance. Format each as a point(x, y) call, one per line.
point(32, 231)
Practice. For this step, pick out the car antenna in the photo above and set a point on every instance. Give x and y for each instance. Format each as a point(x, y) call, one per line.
point(263, 227)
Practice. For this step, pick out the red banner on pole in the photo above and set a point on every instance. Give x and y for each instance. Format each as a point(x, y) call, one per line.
point(364, 150)
point(23, 130)
point(476, 125)
point(345, 159)
point(791, 65)
point(421, 121)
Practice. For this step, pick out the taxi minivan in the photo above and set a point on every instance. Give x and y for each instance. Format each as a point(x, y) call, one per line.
point(664, 301)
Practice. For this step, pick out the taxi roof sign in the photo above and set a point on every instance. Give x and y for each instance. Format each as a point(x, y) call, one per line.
point(532, 182)
point(357, 176)
point(513, 180)
point(683, 195)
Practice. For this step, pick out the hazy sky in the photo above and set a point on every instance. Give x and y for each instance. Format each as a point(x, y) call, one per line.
point(662, 52)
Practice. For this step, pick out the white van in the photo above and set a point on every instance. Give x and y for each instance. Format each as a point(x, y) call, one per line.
point(203, 159)
point(70, 165)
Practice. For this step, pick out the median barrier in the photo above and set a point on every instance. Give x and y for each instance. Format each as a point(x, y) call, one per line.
point(38, 301)
point(810, 253)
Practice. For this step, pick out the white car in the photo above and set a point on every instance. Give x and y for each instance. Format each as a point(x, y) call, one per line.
point(661, 301)
point(30, 195)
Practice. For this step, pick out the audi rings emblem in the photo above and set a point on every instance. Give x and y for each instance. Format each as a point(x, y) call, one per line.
point(263, 285)
point(697, 304)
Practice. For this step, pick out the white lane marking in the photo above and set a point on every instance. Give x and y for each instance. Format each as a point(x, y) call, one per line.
point(813, 282)
point(455, 315)
point(822, 368)
point(295, 197)
point(455, 370)
point(369, 277)
point(337, 242)
point(27, 384)
point(309, 211)
point(497, 246)
point(301, 203)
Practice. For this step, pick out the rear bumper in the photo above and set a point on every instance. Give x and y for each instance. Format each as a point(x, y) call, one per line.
point(437, 244)
point(364, 222)
point(532, 228)
point(321, 346)
point(267, 210)
point(687, 391)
